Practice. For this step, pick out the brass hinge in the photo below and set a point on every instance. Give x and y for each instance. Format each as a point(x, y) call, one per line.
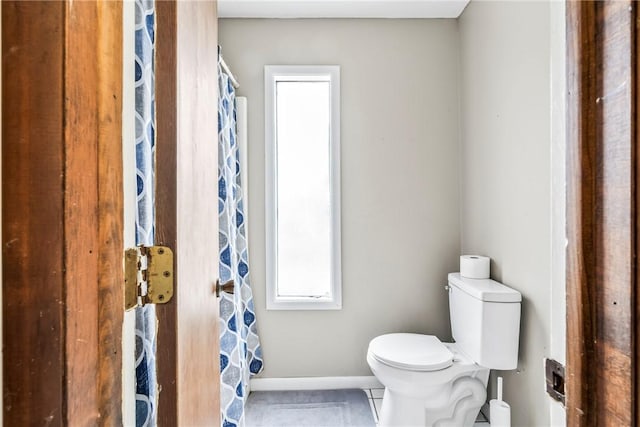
point(148, 276)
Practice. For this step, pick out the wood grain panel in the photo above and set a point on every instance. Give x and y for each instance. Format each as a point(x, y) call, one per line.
point(110, 212)
point(614, 210)
point(601, 213)
point(32, 215)
point(62, 206)
point(166, 232)
point(580, 191)
point(186, 211)
point(80, 194)
point(636, 265)
point(93, 202)
point(197, 215)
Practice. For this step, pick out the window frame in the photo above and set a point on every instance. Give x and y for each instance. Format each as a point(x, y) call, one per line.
point(272, 75)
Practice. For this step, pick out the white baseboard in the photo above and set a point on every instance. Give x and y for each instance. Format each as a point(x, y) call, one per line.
point(313, 383)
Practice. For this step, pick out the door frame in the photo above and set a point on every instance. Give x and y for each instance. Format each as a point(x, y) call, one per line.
point(602, 215)
point(62, 212)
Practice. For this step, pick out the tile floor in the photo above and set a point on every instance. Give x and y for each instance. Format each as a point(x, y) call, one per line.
point(375, 401)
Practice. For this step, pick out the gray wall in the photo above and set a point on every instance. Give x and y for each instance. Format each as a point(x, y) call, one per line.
point(506, 173)
point(400, 181)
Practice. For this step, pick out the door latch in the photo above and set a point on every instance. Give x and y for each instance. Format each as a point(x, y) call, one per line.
point(149, 277)
point(554, 376)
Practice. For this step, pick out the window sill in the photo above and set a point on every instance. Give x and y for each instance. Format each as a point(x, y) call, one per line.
point(303, 303)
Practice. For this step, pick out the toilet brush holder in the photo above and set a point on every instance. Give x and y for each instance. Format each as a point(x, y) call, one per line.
point(499, 410)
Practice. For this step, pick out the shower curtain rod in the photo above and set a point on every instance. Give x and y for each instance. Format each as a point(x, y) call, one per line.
point(226, 69)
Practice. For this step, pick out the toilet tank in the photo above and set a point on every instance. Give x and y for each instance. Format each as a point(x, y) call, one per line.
point(485, 320)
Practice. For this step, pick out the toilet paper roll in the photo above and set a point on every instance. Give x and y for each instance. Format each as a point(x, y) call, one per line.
point(475, 266)
point(499, 413)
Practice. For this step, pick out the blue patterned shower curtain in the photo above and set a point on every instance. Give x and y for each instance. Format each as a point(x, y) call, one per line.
point(240, 352)
point(146, 390)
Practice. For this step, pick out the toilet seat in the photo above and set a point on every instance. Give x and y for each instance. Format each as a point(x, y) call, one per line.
point(414, 352)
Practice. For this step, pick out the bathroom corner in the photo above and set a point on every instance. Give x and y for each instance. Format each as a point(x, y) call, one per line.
point(506, 176)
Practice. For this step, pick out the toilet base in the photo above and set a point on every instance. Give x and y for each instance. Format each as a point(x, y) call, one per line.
point(458, 407)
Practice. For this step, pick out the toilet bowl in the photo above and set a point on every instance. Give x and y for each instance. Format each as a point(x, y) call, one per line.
point(431, 383)
point(428, 384)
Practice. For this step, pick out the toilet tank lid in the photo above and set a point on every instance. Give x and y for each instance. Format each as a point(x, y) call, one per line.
point(485, 289)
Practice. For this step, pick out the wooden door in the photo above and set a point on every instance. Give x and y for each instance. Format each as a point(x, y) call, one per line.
point(62, 196)
point(62, 218)
point(602, 216)
point(186, 210)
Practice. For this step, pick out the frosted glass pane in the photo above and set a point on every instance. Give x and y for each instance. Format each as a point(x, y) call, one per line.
point(303, 229)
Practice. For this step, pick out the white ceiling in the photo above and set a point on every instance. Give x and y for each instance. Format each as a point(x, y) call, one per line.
point(341, 8)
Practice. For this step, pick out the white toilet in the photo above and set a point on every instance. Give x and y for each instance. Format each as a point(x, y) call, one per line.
point(431, 383)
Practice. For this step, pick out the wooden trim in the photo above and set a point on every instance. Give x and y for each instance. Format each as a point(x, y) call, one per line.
point(166, 232)
point(32, 214)
point(186, 214)
point(601, 213)
point(93, 152)
point(580, 222)
point(80, 254)
point(636, 264)
point(110, 211)
point(62, 212)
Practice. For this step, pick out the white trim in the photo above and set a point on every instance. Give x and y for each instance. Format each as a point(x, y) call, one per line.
point(273, 74)
point(313, 383)
point(128, 344)
point(341, 8)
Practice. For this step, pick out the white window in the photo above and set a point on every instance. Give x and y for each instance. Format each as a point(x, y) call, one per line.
point(302, 188)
